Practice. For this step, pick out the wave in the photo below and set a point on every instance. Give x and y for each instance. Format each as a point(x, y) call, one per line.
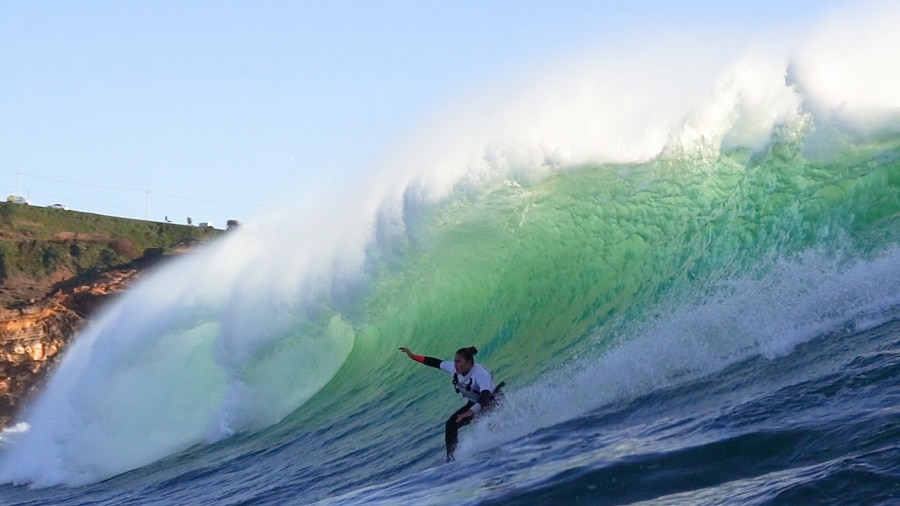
point(563, 233)
point(810, 296)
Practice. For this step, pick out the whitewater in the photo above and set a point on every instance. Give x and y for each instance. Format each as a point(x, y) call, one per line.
point(684, 263)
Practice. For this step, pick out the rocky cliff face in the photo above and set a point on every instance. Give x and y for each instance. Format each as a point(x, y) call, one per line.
point(34, 333)
point(31, 341)
point(56, 268)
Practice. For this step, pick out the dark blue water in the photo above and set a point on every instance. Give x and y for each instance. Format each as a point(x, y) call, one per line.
point(820, 425)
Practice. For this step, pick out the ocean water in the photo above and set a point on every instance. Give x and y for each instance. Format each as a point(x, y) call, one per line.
point(710, 316)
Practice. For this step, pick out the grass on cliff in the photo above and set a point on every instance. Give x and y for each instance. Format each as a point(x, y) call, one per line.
point(37, 242)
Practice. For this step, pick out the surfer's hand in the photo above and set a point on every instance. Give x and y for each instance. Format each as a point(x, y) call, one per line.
point(465, 414)
point(404, 349)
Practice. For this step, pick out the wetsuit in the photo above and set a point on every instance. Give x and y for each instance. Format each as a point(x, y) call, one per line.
point(477, 387)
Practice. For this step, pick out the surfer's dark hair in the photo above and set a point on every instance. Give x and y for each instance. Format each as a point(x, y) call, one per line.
point(468, 353)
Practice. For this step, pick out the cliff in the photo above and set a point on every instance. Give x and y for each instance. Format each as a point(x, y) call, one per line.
point(56, 268)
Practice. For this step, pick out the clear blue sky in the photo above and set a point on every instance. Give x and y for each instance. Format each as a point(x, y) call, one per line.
point(241, 104)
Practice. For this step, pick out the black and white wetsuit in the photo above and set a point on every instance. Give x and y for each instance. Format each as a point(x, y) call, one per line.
point(477, 386)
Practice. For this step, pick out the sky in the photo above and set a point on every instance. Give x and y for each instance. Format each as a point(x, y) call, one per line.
point(224, 110)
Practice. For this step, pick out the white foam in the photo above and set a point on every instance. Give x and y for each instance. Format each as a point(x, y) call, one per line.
point(749, 100)
point(802, 299)
point(15, 429)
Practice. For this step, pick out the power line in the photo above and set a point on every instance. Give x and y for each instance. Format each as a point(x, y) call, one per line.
point(85, 202)
point(147, 191)
point(197, 199)
point(134, 211)
point(78, 183)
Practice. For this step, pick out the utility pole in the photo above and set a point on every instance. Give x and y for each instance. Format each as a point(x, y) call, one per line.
point(17, 183)
point(146, 203)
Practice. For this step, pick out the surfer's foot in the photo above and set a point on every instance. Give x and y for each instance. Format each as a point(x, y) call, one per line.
point(450, 458)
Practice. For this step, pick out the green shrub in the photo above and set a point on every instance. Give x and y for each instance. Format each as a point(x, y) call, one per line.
point(108, 257)
point(53, 256)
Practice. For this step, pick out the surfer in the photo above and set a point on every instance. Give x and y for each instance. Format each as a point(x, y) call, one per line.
point(472, 380)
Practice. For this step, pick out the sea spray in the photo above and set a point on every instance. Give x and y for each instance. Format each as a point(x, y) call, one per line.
point(211, 344)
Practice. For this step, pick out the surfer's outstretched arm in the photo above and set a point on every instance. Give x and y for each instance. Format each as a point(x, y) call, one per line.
point(429, 361)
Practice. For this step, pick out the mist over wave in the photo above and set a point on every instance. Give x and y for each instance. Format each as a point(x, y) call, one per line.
point(241, 334)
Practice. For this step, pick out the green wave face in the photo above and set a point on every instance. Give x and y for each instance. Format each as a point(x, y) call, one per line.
point(537, 274)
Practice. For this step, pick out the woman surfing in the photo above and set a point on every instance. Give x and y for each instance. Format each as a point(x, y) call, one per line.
point(472, 380)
